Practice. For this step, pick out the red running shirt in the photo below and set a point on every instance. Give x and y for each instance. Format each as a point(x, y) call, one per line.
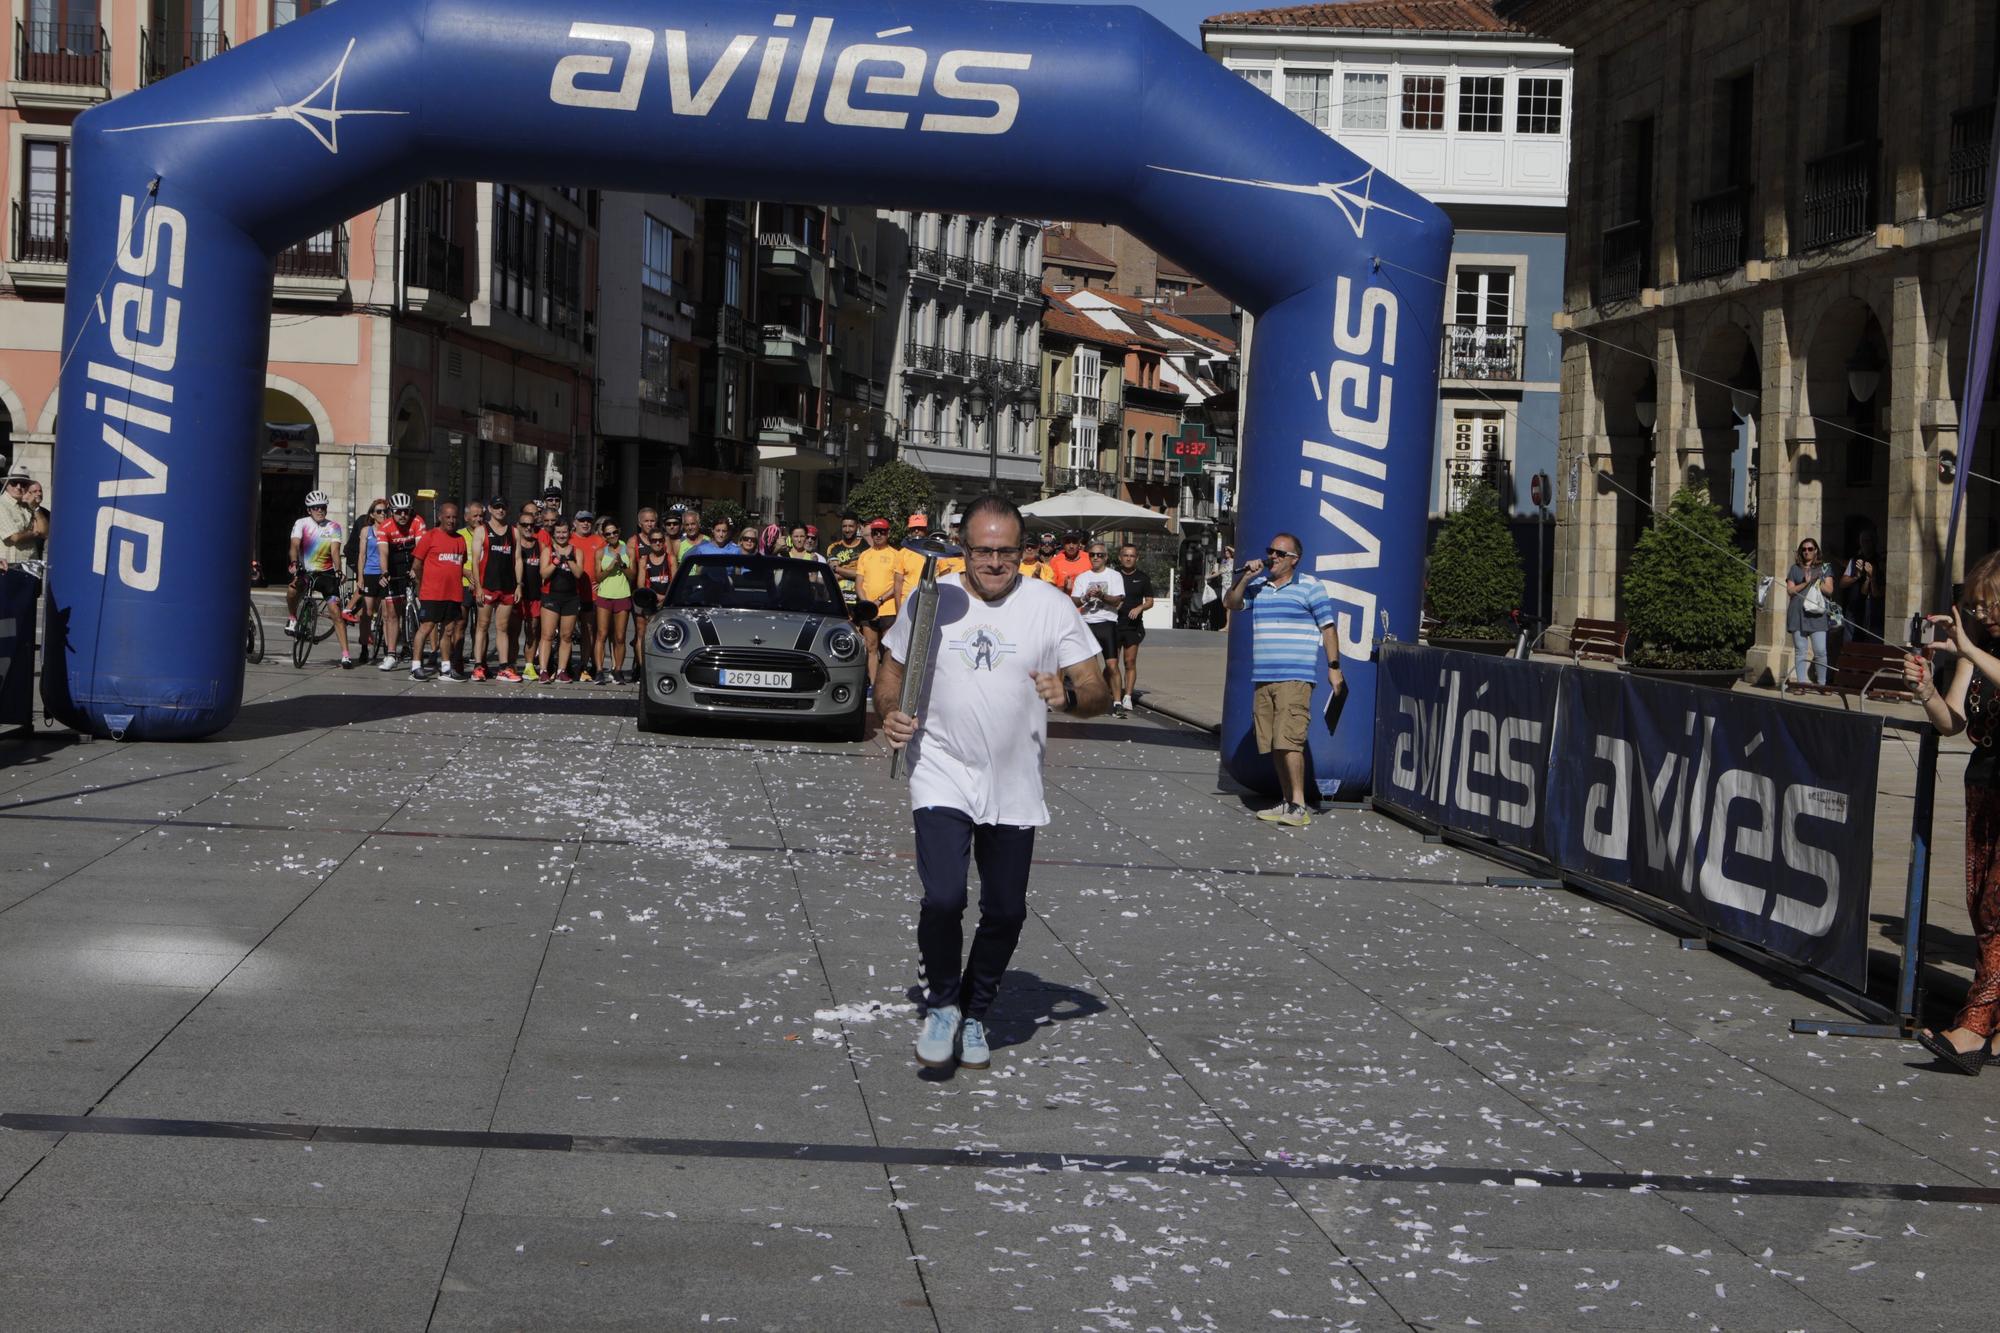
point(440, 556)
point(399, 541)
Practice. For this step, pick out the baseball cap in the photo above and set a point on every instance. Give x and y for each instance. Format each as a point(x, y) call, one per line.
point(584, 515)
point(811, 531)
point(1073, 535)
point(552, 493)
point(917, 521)
point(498, 502)
point(879, 525)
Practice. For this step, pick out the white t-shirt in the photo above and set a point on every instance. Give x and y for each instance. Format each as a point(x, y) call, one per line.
point(981, 726)
point(1108, 583)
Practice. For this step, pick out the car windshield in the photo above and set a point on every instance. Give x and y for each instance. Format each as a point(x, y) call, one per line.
point(757, 583)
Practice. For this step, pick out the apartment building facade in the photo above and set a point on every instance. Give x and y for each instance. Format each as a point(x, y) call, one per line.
point(1472, 110)
point(443, 340)
point(1775, 222)
point(965, 375)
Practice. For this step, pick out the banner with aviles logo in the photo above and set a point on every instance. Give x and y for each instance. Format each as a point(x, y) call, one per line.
point(1754, 817)
point(1462, 740)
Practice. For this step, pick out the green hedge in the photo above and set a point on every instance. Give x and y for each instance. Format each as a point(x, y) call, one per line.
point(1690, 599)
point(1475, 576)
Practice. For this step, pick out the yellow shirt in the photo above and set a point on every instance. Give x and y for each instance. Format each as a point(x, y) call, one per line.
point(1038, 569)
point(877, 567)
point(950, 564)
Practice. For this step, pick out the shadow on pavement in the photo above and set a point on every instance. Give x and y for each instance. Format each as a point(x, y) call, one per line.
point(1025, 1005)
point(1173, 738)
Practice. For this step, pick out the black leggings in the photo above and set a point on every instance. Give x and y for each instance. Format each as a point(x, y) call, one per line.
point(946, 841)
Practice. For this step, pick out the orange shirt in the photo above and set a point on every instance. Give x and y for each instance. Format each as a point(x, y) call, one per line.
point(1068, 567)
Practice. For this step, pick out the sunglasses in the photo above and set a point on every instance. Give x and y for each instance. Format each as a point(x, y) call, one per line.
point(1275, 554)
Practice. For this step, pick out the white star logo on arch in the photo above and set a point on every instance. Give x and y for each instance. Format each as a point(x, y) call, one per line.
point(1354, 204)
point(320, 121)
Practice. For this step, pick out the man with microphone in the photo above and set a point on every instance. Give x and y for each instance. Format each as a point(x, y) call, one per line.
point(1293, 629)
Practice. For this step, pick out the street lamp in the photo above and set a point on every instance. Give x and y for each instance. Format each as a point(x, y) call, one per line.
point(977, 404)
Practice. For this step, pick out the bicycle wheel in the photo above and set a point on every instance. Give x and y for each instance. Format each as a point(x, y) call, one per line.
point(304, 637)
point(253, 636)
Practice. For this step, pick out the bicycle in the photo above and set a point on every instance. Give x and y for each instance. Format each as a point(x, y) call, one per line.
point(315, 625)
point(253, 636)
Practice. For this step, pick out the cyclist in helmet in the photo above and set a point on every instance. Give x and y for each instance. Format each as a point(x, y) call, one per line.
point(397, 535)
point(316, 561)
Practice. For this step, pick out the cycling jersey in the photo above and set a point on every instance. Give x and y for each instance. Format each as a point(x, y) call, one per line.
point(371, 550)
point(319, 545)
point(401, 541)
point(440, 554)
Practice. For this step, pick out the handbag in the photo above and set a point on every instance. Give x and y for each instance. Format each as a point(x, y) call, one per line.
point(1816, 603)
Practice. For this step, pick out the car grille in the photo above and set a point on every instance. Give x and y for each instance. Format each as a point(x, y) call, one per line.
point(808, 676)
point(778, 703)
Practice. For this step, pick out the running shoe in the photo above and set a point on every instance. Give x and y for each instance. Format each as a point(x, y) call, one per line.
point(351, 617)
point(973, 1052)
point(1276, 814)
point(346, 662)
point(291, 629)
point(585, 678)
point(529, 673)
point(1117, 708)
point(1296, 816)
point(508, 674)
point(418, 673)
point(934, 1047)
point(479, 673)
point(456, 677)
point(564, 678)
point(389, 663)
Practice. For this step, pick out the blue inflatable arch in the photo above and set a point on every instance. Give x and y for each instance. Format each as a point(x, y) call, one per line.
point(184, 191)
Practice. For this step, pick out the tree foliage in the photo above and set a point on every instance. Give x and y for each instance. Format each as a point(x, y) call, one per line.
point(1690, 600)
point(1475, 571)
point(893, 490)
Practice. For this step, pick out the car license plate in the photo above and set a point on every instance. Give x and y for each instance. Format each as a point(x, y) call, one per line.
point(758, 680)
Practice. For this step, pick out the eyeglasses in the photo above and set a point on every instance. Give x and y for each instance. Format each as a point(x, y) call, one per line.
point(402, 511)
point(994, 552)
point(1275, 554)
point(1097, 555)
point(379, 509)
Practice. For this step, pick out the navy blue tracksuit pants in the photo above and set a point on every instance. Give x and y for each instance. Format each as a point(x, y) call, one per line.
point(947, 842)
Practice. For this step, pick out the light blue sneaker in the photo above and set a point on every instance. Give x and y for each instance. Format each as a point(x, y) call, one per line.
point(973, 1051)
point(934, 1047)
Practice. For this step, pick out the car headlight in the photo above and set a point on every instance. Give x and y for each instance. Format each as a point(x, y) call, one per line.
point(670, 634)
point(843, 644)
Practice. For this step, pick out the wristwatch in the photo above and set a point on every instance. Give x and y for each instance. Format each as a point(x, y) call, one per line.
point(1069, 695)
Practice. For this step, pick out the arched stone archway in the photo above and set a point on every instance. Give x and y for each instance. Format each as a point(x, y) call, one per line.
point(1845, 381)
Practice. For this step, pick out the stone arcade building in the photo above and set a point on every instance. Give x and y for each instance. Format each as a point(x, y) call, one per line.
point(1774, 211)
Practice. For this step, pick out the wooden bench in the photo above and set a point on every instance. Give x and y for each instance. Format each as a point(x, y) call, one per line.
point(1591, 640)
point(1861, 670)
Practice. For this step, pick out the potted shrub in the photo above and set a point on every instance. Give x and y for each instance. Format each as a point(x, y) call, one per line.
point(1690, 599)
point(1474, 582)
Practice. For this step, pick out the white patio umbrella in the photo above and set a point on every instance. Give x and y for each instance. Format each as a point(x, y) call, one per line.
point(1087, 509)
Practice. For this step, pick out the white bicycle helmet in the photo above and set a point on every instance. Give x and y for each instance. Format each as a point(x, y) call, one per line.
point(316, 499)
point(399, 501)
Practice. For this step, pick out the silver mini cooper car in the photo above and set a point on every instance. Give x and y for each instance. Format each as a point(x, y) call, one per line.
point(754, 636)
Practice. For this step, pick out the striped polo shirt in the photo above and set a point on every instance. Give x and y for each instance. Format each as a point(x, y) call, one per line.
point(1286, 621)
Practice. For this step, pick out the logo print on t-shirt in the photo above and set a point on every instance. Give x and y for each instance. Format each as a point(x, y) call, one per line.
point(982, 647)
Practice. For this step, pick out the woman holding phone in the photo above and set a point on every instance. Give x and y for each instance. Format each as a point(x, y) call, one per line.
point(1971, 703)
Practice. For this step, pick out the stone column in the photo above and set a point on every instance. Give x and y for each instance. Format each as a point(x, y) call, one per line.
point(1919, 508)
point(1785, 508)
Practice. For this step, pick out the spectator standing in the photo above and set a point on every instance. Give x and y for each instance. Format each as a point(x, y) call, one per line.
point(1098, 592)
point(1070, 561)
point(585, 537)
point(718, 541)
point(652, 574)
point(614, 604)
point(1971, 704)
point(1131, 628)
point(802, 544)
point(1860, 584)
point(918, 526)
point(1293, 628)
point(18, 537)
point(439, 558)
point(1035, 565)
point(690, 535)
point(563, 577)
point(844, 549)
point(882, 575)
point(1810, 583)
point(496, 572)
point(976, 748)
point(475, 519)
point(531, 542)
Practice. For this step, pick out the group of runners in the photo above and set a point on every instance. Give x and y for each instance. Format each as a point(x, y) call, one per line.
point(542, 594)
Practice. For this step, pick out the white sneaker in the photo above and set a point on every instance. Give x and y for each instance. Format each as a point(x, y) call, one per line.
point(938, 1043)
point(389, 664)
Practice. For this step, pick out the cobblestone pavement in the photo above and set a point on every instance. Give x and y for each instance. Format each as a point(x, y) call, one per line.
point(456, 1006)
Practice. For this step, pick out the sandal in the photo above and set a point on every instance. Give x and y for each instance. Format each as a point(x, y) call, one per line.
point(1965, 1062)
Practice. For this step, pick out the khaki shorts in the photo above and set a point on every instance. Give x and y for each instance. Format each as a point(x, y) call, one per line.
point(1282, 713)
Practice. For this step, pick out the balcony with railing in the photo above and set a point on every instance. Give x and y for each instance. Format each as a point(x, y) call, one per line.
point(313, 270)
point(165, 53)
point(1718, 233)
point(38, 256)
point(786, 348)
point(958, 268)
point(954, 362)
point(1489, 352)
point(1090, 479)
point(732, 331)
point(986, 275)
point(1967, 168)
point(1110, 411)
point(657, 395)
point(1621, 263)
point(925, 260)
point(924, 358)
point(1062, 405)
point(434, 269)
point(1838, 202)
point(73, 56)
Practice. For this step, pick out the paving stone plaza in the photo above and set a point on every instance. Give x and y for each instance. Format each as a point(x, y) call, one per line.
point(428, 1006)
